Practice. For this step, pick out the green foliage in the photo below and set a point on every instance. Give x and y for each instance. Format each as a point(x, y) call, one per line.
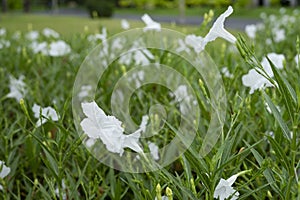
point(15, 4)
point(100, 8)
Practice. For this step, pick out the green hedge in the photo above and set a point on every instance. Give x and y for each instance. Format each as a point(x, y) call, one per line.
point(100, 8)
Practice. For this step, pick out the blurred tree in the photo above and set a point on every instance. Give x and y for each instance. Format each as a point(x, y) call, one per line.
point(26, 6)
point(4, 5)
point(181, 11)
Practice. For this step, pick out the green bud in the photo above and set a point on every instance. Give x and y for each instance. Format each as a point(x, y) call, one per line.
point(169, 193)
point(158, 192)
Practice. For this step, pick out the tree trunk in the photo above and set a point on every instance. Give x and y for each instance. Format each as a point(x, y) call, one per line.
point(181, 11)
point(4, 6)
point(54, 6)
point(26, 6)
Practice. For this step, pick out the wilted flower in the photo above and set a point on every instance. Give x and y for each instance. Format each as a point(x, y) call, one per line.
point(218, 30)
point(150, 24)
point(4, 171)
point(32, 35)
point(251, 30)
point(224, 189)
point(47, 112)
point(108, 129)
point(153, 150)
point(17, 88)
point(50, 33)
point(125, 24)
point(59, 48)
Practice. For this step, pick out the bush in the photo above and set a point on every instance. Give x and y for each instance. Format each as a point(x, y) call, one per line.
point(100, 8)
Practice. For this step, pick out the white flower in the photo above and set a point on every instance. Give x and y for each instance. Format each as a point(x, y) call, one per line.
point(4, 44)
point(150, 24)
point(226, 72)
point(141, 57)
point(4, 171)
point(2, 31)
point(182, 47)
point(153, 150)
point(125, 24)
point(50, 33)
point(63, 187)
point(251, 30)
point(181, 93)
point(255, 81)
point(47, 112)
point(95, 37)
point(108, 129)
point(162, 198)
point(269, 109)
point(17, 88)
point(218, 30)
point(144, 123)
point(297, 60)
point(84, 91)
point(32, 35)
point(279, 35)
point(59, 48)
point(196, 42)
point(39, 47)
point(224, 189)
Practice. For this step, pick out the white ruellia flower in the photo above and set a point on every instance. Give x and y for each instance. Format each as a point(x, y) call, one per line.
point(108, 129)
point(269, 109)
point(46, 113)
point(153, 150)
point(196, 42)
point(125, 24)
point(63, 187)
point(17, 88)
point(150, 24)
point(4, 171)
point(59, 48)
point(48, 32)
point(32, 35)
point(95, 37)
point(181, 93)
point(251, 30)
point(218, 29)
point(279, 35)
point(2, 31)
point(162, 198)
point(4, 44)
point(84, 91)
point(39, 47)
point(182, 47)
point(255, 80)
point(225, 190)
point(226, 72)
point(297, 60)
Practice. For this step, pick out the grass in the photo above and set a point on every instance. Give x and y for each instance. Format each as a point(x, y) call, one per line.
point(69, 25)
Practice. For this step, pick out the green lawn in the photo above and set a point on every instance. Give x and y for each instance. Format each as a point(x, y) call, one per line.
point(68, 25)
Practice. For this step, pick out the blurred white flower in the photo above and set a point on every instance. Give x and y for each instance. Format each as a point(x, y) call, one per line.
point(59, 48)
point(150, 24)
point(226, 72)
point(48, 32)
point(218, 29)
point(196, 42)
point(17, 88)
point(279, 35)
point(297, 60)
point(108, 129)
point(137, 78)
point(182, 47)
point(153, 150)
point(255, 80)
point(41, 47)
point(181, 93)
point(4, 44)
point(95, 37)
point(2, 31)
point(63, 187)
point(162, 198)
point(46, 113)
point(125, 24)
point(32, 35)
point(224, 189)
point(251, 30)
point(84, 91)
point(269, 109)
point(269, 41)
point(4, 171)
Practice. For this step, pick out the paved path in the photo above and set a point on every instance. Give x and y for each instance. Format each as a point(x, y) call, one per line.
point(233, 23)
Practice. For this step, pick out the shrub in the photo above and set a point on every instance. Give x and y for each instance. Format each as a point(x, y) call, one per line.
point(100, 8)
